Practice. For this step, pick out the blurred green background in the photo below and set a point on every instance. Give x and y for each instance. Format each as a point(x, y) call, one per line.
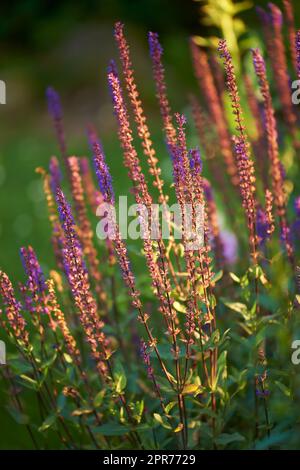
point(68, 45)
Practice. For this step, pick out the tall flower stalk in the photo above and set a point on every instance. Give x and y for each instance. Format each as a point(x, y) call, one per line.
point(241, 145)
point(206, 83)
point(273, 151)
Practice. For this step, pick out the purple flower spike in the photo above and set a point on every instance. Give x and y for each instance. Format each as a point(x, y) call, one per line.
point(195, 160)
point(146, 358)
point(276, 15)
point(55, 174)
point(262, 226)
point(155, 47)
point(112, 71)
point(36, 279)
point(65, 213)
point(54, 105)
point(102, 169)
point(264, 16)
point(55, 110)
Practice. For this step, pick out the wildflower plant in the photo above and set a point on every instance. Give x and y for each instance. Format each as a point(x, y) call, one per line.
point(196, 353)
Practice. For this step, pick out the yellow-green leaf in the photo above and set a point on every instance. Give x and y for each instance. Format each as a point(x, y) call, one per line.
point(178, 428)
point(179, 307)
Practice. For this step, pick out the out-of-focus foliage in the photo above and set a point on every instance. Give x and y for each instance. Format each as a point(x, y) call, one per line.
point(223, 14)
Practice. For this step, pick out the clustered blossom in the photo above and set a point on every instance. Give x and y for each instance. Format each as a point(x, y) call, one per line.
point(156, 53)
point(55, 110)
point(136, 104)
point(146, 358)
point(155, 258)
point(85, 227)
point(269, 211)
point(34, 291)
point(246, 174)
point(196, 163)
point(273, 149)
point(187, 167)
point(77, 275)
point(206, 83)
point(184, 178)
point(102, 171)
point(265, 220)
point(84, 224)
point(36, 278)
point(181, 273)
point(181, 167)
point(131, 159)
point(13, 310)
point(199, 267)
point(141, 192)
point(232, 87)
point(122, 255)
point(262, 226)
point(241, 145)
point(106, 193)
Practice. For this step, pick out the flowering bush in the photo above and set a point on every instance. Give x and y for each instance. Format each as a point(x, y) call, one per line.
point(198, 353)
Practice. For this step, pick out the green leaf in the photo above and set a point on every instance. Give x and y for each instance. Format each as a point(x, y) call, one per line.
point(49, 362)
point(193, 389)
point(61, 401)
point(48, 423)
point(235, 277)
point(99, 398)
point(161, 421)
point(285, 390)
point(237, 307)
point(19, 366)
point(138, 409)
point(170, 406)
point(68, 358)
point(225, 439)
point(19, 417)
point(179, 307)
point(222, 370)
point(29, 382)
point(178, 428)
point(275, 439)
point(82, 411)
point(217, 276)
point(212, 301)
point(119, 377)
point(112, 429)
